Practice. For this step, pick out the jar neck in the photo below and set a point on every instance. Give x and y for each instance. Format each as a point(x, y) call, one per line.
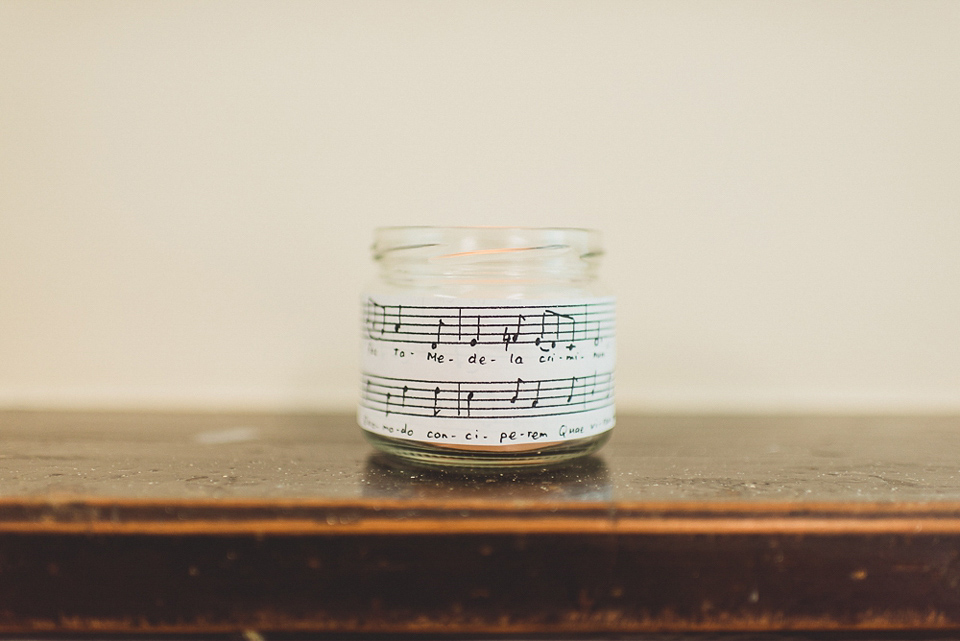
point(412, 256)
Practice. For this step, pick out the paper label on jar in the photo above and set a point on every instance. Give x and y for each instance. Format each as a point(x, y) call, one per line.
point(484, 372)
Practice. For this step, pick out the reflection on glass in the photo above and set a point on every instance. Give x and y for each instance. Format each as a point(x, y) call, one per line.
point(584, 480)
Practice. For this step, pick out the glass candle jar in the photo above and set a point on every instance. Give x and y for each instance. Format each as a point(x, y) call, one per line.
point(487, 346)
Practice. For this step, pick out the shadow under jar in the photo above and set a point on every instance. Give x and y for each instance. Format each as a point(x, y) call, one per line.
point(487, 347)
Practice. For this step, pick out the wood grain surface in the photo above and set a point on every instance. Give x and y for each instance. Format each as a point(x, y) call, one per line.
point(121, 523)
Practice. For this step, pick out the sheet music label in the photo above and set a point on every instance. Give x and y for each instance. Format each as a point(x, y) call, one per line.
point(489, 373)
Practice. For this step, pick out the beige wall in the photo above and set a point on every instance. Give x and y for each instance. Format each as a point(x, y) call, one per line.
point(188, 189)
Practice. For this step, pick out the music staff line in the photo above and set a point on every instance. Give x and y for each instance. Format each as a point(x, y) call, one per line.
point(543, 326)
point(408, 395)
point(490, 399)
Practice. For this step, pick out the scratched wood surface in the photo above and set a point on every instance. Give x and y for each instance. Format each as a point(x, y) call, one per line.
point(202, 524)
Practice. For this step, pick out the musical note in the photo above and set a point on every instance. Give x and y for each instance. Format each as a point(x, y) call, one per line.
point(512, 338)
point(469, 399)
point(436, 399)
point(520, 318)
point(373, 319)
point(388, 404)
point(476, 338)
point(573, 381)
point(516, 394)
point(536, 400)
point(383, 311)
point(572, 329)
point(556, 320)
point(440, 325)
point(403, 399)
point(543, 333)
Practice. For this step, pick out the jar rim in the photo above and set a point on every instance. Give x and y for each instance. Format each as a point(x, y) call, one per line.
point(481, 239)
point(491, 227)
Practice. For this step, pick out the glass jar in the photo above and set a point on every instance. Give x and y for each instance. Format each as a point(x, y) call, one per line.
point(487, 346)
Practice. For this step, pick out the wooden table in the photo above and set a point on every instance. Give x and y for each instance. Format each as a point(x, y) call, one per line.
point(204, 524)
